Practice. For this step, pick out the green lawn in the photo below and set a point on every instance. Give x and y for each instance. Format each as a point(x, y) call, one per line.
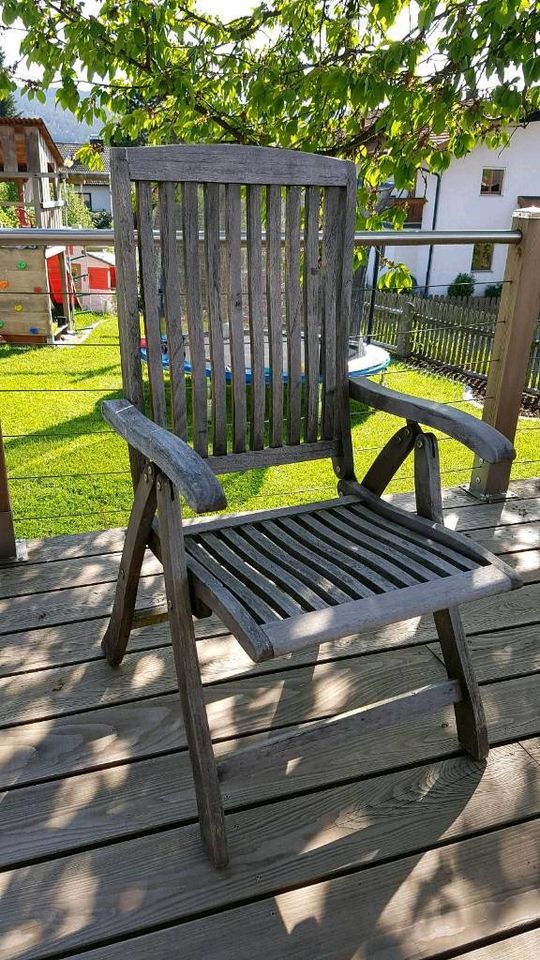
point(68, 472)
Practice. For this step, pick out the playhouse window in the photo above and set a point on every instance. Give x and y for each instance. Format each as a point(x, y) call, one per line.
point(492, 182)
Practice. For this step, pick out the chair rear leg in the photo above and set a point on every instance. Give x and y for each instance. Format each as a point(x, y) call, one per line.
point(205, 774)
point(116, 637)
point(470, 716)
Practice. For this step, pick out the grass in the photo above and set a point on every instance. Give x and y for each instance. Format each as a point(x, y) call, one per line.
point(68, 472)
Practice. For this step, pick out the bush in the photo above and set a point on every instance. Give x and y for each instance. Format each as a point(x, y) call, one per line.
point(493, 290)
point(76, 212)
point(102, 219)
point(462, 286)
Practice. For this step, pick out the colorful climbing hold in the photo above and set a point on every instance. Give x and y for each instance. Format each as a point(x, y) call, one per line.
point(4, 284)
point(38, 289)
point(18, 308)
point(21, 265)
point(1, 324)
point(34, 329)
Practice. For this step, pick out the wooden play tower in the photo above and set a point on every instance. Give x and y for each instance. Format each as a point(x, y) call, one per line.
point(31, 161)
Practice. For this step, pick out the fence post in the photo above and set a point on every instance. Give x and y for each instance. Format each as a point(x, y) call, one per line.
point(516, 322)
point(8, 545)
point(404, 331)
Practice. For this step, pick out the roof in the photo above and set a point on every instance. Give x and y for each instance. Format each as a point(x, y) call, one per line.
point(35, 122)
point(81, 170)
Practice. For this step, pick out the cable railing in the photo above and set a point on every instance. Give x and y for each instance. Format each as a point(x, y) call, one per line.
point(68, 472)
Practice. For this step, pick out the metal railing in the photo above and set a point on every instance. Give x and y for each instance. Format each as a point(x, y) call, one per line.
point(377, 238)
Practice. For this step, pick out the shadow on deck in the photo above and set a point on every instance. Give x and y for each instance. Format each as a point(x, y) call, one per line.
point(390, 846)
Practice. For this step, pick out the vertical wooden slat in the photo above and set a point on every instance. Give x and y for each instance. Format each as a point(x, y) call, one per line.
point(190, 229)
point(344, 464)
point(332, 230)
point(256, 329)
point(127, 292)
point(147, 267)
point(173, 314)
point(311, 310)
point(273, 298)
point(234, 306)
point(215, 326)
point(293, 314)
point(8, 546)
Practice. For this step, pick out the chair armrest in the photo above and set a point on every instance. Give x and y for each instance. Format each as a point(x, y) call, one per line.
point(485, 440)
point(178, 461)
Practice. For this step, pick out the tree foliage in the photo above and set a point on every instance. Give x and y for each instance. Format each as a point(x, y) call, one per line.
point(8, 107)
point(377, 82)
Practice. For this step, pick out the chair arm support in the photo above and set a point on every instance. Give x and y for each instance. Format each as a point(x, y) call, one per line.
point(178, 461)
point(485, 440)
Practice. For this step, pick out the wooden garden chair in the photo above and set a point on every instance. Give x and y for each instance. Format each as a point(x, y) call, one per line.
point(285, 578)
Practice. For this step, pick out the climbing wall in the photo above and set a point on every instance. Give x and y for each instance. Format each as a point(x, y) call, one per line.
point(25, 306)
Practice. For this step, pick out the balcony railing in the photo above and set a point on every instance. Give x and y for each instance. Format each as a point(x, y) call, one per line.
point(505, 368)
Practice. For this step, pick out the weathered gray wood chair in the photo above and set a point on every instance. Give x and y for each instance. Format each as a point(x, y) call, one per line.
point(286, 578)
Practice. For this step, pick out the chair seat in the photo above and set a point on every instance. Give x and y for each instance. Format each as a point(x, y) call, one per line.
point(285, 579)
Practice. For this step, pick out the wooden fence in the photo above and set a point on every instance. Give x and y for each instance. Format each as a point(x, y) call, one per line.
point(458, 336)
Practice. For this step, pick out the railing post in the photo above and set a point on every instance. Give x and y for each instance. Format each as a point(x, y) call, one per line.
point(404, 331)
point(516, 322)
point(8, 545)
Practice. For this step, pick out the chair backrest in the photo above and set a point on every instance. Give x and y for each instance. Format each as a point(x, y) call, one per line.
point(251, 282)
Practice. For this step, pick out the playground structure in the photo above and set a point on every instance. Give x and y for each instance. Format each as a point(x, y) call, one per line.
point(36, 287)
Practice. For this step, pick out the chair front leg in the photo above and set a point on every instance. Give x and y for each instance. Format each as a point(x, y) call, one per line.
point(116, 638)
point(205, 775)
point(470, 716)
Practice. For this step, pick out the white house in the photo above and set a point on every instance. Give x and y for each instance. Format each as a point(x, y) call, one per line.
point(93, 185)
point(479, 191)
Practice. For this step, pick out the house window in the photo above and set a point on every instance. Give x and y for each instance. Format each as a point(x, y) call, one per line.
point(87, 198)
point(482, 256)
point(492, 181)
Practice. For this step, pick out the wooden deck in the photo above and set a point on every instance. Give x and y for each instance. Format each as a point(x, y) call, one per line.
point(393, 846)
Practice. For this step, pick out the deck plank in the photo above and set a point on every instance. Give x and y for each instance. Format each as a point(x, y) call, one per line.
point(297, 841)
point(412, 908)
point(58, 691)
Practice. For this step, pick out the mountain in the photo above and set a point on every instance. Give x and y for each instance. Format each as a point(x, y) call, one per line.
point(63, 126)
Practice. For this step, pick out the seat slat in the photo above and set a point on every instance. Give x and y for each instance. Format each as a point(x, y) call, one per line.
point(252, 553)
point(332, 228)
point(293, 314)
point(262, 612)
point(148, 268)
point(275, 325)
point(215, 326)
point(311, 311)
point(440, 550)
point(407, 569)
point(337, 580)
point(419, 557)
point(253, 578)
point(173, 314)
point(234, 306)
point(302, 572)
point(190, 230)
point(255, 300)
point(371, 566)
